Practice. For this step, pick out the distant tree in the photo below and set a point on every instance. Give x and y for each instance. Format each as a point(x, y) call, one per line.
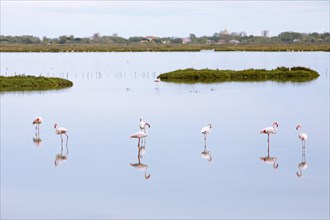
point(176, 40)
point(135, 39)
point(62, 39)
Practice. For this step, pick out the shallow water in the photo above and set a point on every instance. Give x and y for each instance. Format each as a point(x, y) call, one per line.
point(113, 90)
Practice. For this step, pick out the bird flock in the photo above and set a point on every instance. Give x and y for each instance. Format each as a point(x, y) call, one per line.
point(205, 131)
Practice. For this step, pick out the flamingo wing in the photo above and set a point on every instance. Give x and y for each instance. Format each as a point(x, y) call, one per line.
point(205, 130)
point(303, 136)
point(268, 130)
point(37, 120)
point(61, 130)
point(139, 134)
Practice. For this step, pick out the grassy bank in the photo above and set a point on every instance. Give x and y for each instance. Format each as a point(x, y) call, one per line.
point(159, 47)
point(31, 83)
point(280, 74)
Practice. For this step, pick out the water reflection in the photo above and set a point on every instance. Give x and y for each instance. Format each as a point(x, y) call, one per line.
point(60, 158)
point(139, 165)
point(37, 140)
point(270, 160)
point(206, 154)
point(303, 165)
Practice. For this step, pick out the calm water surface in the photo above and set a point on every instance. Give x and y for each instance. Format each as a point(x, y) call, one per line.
point(98, 173)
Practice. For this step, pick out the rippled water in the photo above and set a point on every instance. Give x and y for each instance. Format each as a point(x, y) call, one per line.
point(99, 172)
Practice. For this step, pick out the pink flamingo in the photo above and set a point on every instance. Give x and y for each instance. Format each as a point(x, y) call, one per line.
point(206, 130)
point(303, 164)
point(37, 121)
point(141, 134)
point(302, 136)
point(60, 131)
point(269, 130)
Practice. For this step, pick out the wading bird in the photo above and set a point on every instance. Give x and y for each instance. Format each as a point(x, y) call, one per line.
point(60, 131)
point(269, 130)
point(141, 134)
point(302, 136)
point(142, 123)
point(303, 165)
point(206, 130)
point(37, 121)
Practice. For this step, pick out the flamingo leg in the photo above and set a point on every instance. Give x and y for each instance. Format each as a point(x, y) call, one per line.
point(145, 141)
point(66, 145)
point(61, 147)
point(268, 141)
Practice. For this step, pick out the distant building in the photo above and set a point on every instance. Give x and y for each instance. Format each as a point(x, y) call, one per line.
point(234, 42)
point(209, 41)
point(186, 40)
point(265, 33)
point(221, 42)
point(150, 38)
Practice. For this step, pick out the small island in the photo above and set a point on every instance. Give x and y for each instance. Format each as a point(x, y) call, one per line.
point(280, 74)
point(32, 83)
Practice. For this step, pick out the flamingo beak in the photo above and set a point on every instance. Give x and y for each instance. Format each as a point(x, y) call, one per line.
point(148, 124)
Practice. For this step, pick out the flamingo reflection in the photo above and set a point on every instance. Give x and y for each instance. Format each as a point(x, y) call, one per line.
point(270, 160)
point(139, 165)
point(37, 140)
point(206, 154)
point(303, 165)
point(60, 158)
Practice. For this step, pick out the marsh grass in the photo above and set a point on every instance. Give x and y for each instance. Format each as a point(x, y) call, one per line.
point(280, 74)
point(138, 47)
point(32, 83)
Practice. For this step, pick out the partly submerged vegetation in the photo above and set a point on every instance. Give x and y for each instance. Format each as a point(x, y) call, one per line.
point(31, 83)
point(280, 74)
point(137, 47)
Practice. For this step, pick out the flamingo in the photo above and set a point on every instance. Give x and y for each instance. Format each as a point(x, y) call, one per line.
point(206, 130)
point(269, 159)
point(302, 136)
point(269, 130)
point(60, 131)
point(141, 134)
point(37, 121)
point(303, 165)
point(142, 123)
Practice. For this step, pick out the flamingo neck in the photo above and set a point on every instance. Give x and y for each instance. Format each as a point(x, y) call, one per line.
point(275, 128)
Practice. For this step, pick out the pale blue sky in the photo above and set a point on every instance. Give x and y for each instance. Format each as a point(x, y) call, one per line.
point(161, 18)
